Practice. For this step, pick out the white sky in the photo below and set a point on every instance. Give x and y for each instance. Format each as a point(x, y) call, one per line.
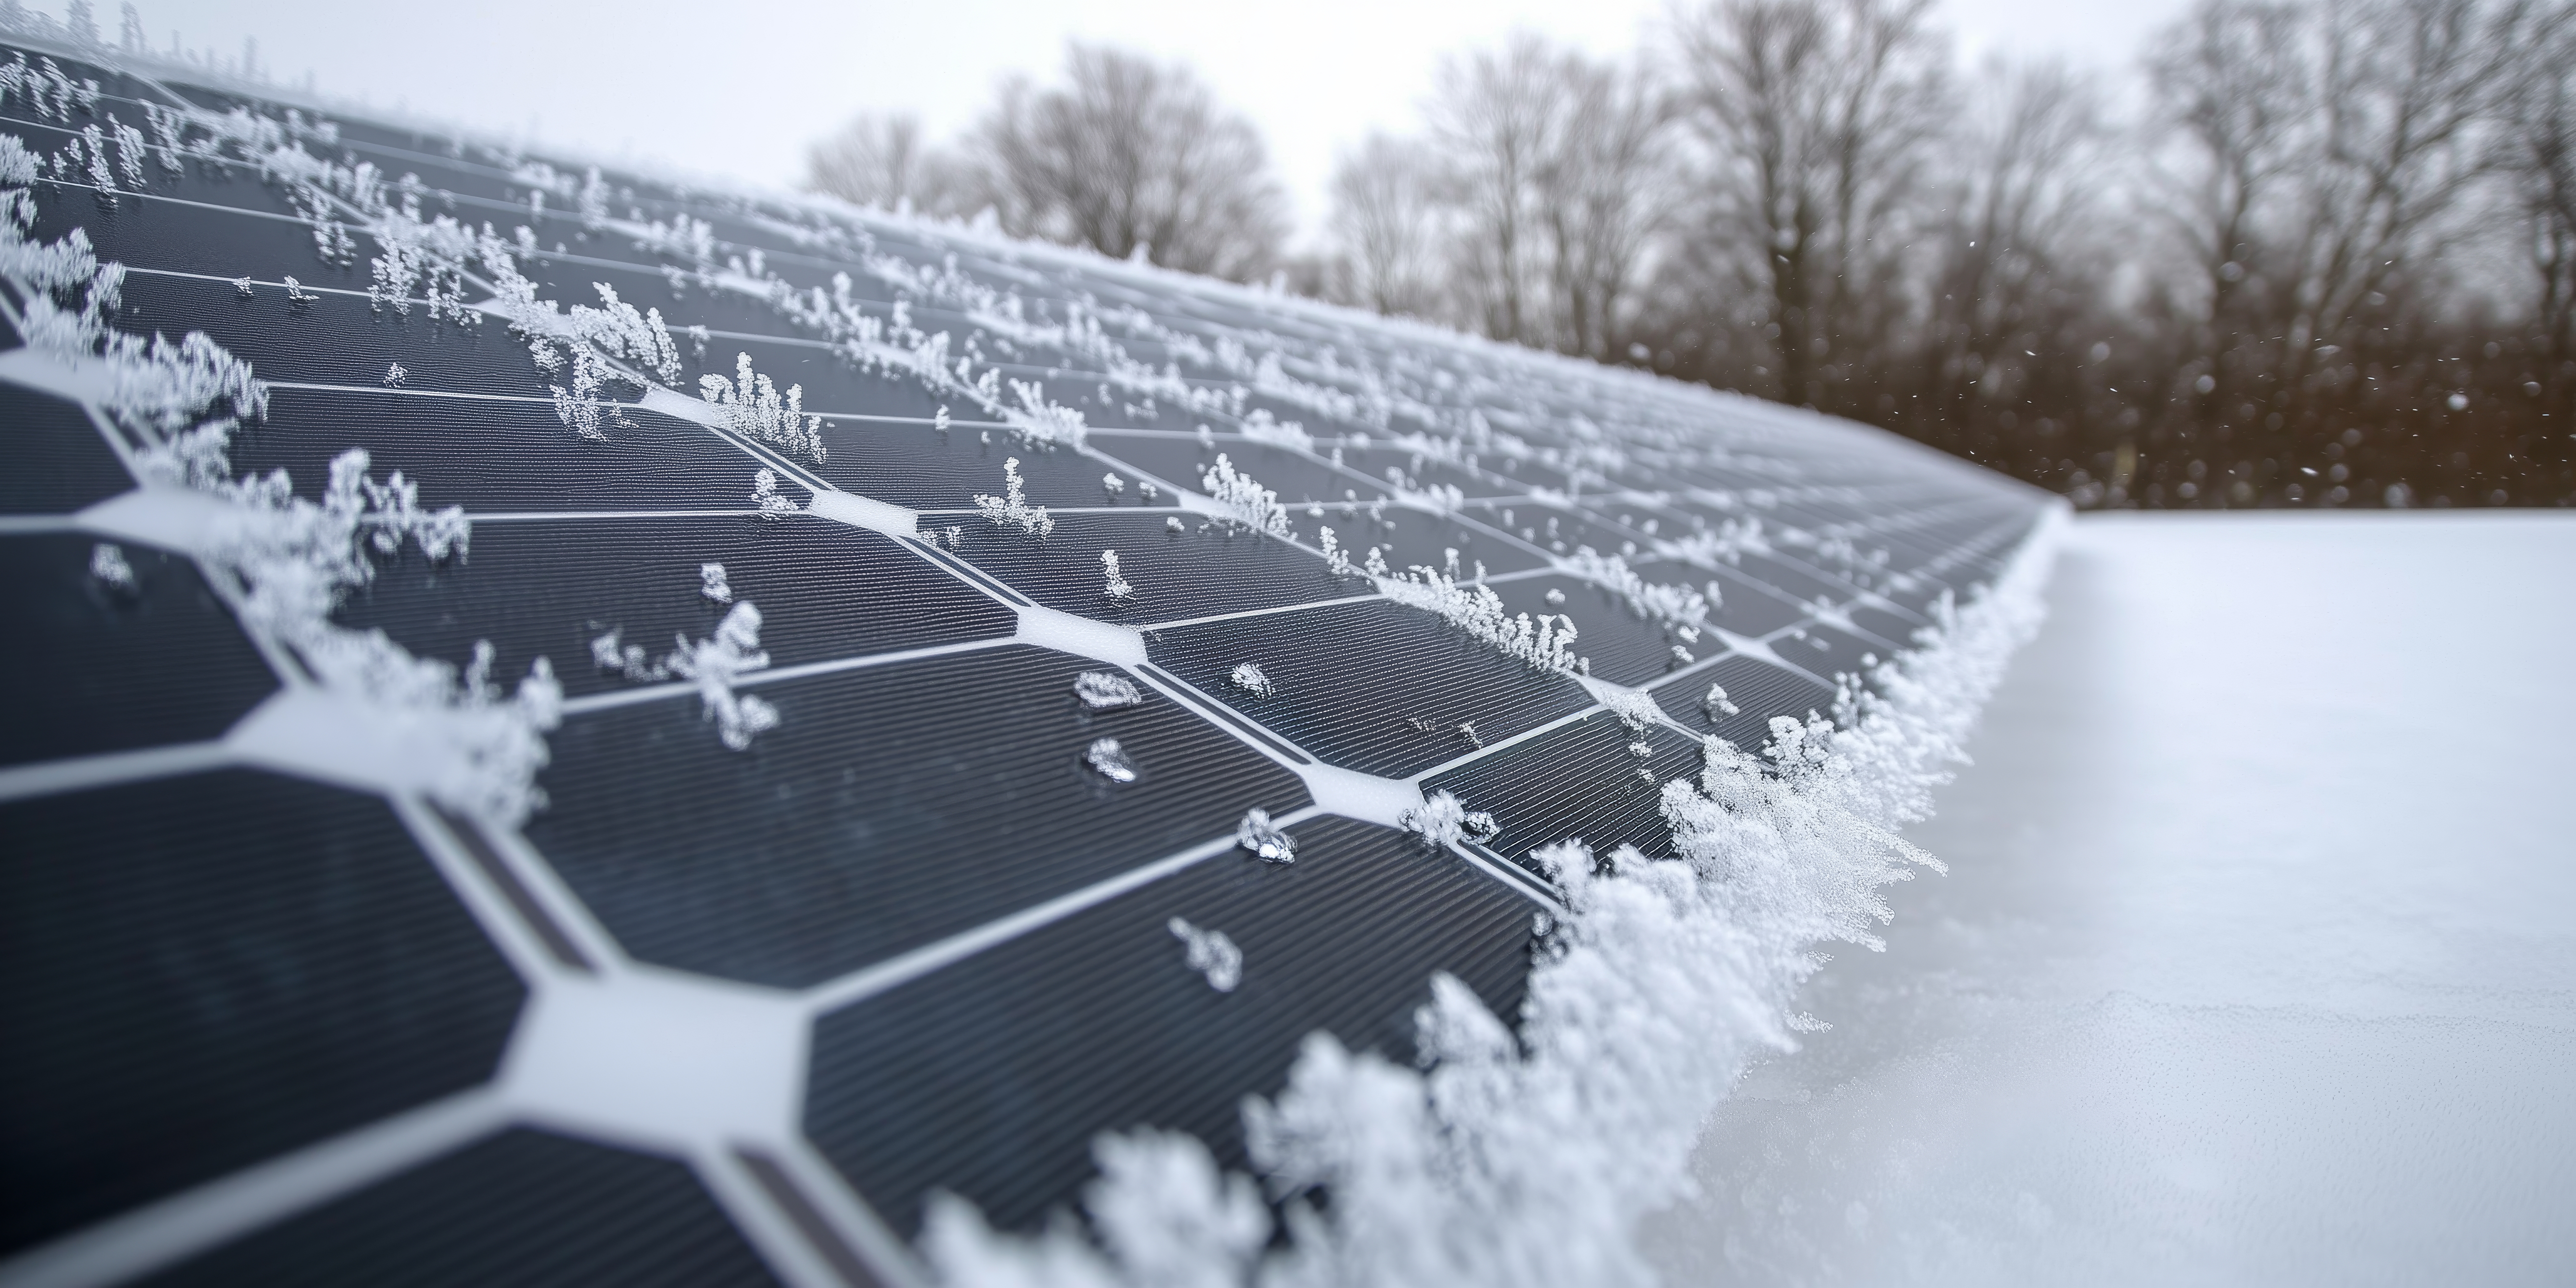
point(738, 89)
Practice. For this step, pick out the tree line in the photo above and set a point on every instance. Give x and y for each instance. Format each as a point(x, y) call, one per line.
point(2323, 255)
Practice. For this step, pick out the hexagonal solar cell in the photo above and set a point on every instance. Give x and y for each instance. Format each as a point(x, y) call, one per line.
point(133, 658)
point(839, 707)
point(894, 806)
point(947, 1082)
point(58, 462)
point(521, 1208)
point(203, 973)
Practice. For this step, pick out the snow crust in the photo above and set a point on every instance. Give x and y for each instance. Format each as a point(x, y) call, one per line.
point(2254, 967)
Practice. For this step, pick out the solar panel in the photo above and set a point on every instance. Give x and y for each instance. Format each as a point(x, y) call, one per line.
point(760, 807)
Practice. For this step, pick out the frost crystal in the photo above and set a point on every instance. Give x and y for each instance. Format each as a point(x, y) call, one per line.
point(765, 496)
point(1210, 954)
point(754, 408)
point(395, 375)
point(1262, 427)
point(1243, 501)
point(715, 664)
point(1110, 760)
point(1100, 690)
point(1635, 707)
point(1727, 543)
point(1544, 643)
point(1172, 523)
point(713, 583)
point(1112, 484)
point(1250, 678)
point(1266, 840)
point(1716, 702)
point(1117, 587)
point(1012, 508)
point(1041, 423)
point(1678, 606)
point(1337, 561)
point(107, 564)
point(1442, 822)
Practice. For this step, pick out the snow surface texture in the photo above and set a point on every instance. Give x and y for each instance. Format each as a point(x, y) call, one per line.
point(1530, 1161)
point(1507, 1158)
point(2254, 966)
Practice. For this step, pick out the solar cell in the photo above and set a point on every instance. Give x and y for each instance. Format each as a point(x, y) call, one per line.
point(923, 852)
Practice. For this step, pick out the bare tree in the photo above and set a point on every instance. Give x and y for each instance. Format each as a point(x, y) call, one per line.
point(1129, 157)
point(2008, 306)
point(1603, 193)
point(1554, 174)
point(2540, 151)
point(1816, 119)
point(1387, 218)
point(883, 161)
point(2340, 152)
point(1494, 118)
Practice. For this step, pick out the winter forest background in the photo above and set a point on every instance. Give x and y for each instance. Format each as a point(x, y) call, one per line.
point(2315, 254)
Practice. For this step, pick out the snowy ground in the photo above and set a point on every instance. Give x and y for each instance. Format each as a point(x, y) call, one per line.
point(2255, 963)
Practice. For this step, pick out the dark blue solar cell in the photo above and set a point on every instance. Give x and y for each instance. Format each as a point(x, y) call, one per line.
point(498, 455)
point(200, 973)
point(1757, 689)
point(551, 587)
point(1204, 568)
point(521, 1208)
point(892, 806)
point(58, 462)
point(94, 667)
point(959, 1080)
point(1583, 780)
point(335, 339)
point(1377, 687)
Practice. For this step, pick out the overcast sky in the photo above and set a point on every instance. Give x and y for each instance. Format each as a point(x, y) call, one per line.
point(739, 88)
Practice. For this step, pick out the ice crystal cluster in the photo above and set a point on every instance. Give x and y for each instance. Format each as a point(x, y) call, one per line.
point(1264, 839)
point(1545, 642)
point(1012, 508)
point(1678, 606)
point(753, 408)
point(1242, 501)
point(715, 664)
point(1101, 690)
point(1441, 821)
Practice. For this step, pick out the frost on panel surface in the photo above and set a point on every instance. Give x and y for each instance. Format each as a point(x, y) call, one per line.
point(769, 829)
point(1331, 944)
point(801, 859)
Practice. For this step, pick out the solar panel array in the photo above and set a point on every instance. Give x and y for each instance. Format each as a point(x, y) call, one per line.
point(718, 1014)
